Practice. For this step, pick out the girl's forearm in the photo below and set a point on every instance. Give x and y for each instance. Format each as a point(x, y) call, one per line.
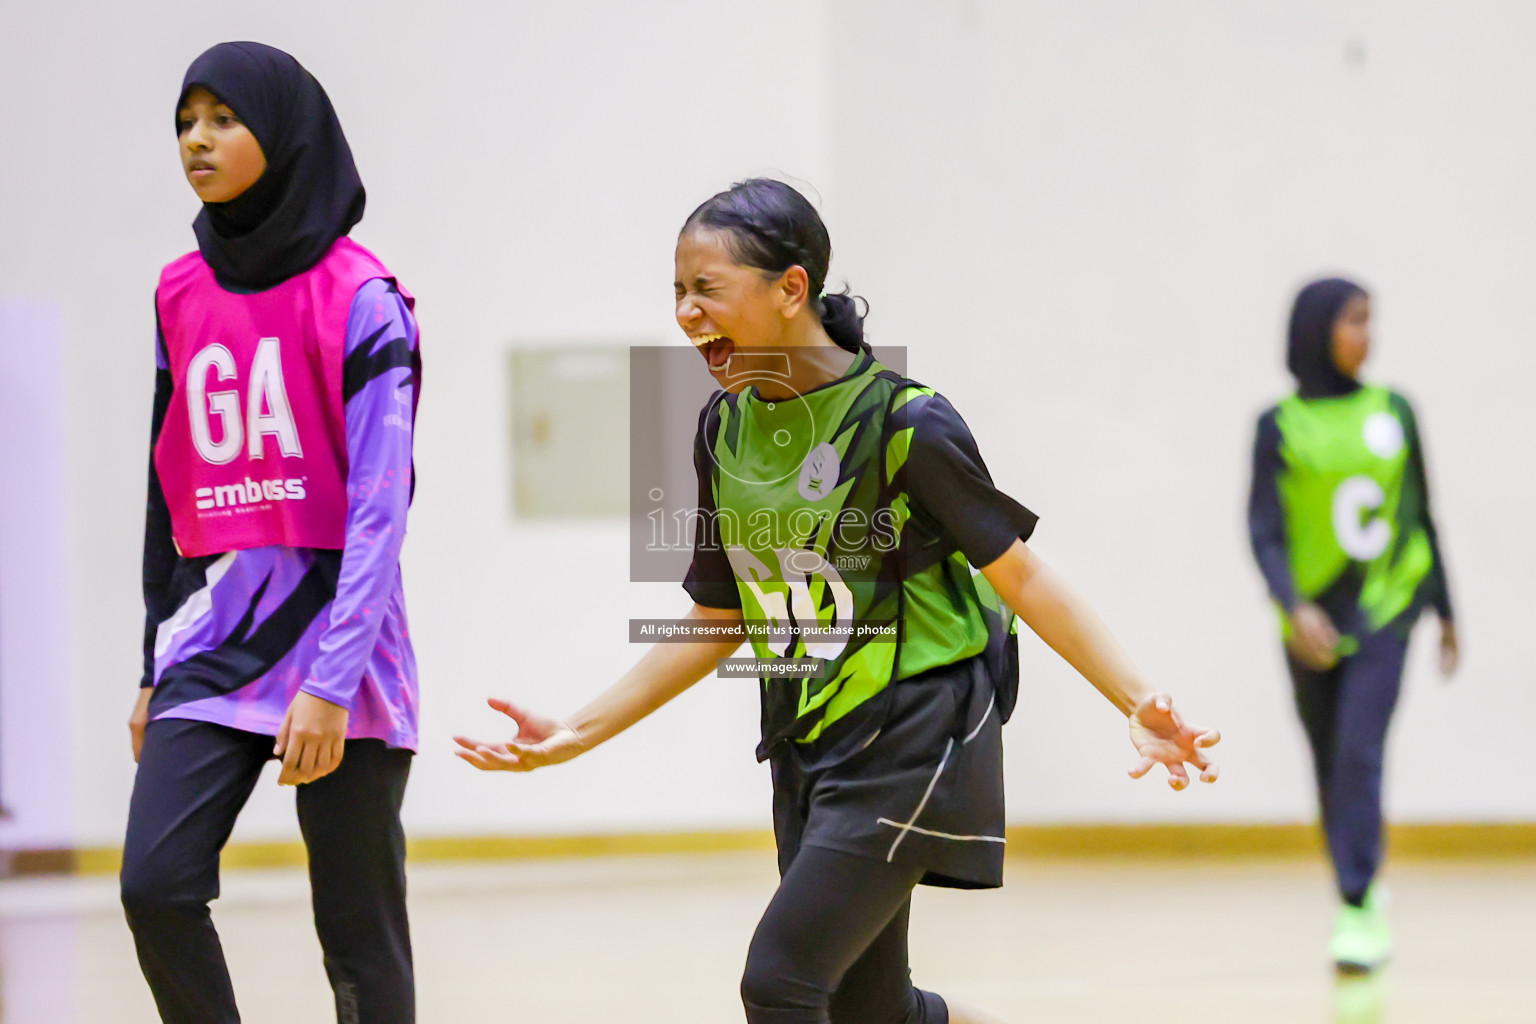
point(665, 671)
point(1068, 625)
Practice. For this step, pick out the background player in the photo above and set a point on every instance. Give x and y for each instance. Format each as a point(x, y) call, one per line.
point(1339, 518)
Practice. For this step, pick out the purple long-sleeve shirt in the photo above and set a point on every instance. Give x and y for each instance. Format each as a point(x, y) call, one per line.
point(232, 638)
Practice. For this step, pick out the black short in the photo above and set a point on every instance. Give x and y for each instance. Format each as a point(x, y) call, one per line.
point(926, 791)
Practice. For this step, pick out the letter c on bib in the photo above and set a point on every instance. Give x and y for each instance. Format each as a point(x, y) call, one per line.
point(1361, 540)
point(201, 404)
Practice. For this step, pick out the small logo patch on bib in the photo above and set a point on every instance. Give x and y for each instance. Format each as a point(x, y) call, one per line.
point(1383, 434)
point(818, 473)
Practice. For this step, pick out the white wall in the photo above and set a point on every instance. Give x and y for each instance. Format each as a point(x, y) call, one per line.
point(1085, 220)
point(36, 786)
point(1088, 220)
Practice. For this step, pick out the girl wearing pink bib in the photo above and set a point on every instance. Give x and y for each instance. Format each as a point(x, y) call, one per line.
point(287, 376)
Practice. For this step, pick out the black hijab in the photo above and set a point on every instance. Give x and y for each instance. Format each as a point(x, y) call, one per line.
point(310, 194)
point(1309, 350)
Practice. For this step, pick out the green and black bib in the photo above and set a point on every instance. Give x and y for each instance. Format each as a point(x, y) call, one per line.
point(1351, 507)
point(816, 521)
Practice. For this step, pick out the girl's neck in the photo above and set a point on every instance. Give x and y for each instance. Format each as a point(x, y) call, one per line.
point(814, 359)
point(1339, 387)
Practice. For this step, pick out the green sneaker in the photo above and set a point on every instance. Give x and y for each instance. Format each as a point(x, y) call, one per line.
point(1362, 941)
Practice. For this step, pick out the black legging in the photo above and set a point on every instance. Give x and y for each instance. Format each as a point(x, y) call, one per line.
point(832, 946)
point(192, 781)
point(1346, 711)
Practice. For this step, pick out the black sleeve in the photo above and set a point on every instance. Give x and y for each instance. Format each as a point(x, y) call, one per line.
point(710, 581)
point(1440, 588)
point(949, 482)
point(1266, 519)
point(160, 555)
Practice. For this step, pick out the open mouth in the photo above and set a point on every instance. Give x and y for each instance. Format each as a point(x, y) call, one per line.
point(717, 350)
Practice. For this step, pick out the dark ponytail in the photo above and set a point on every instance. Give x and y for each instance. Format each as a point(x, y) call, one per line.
point(771, 227)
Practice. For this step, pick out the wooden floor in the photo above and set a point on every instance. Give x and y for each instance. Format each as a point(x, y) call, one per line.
point(661, 939)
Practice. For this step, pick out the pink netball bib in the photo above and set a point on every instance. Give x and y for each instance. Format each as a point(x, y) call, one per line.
point(253, 450)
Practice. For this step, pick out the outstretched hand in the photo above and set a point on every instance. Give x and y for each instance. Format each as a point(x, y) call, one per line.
point(540, 740)
point(1162, 737)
